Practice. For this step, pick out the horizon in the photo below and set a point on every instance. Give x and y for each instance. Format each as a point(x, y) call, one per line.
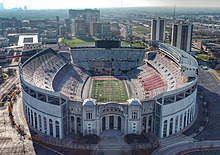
point(105, 4)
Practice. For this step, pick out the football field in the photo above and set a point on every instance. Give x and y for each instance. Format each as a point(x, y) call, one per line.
point(106, 89)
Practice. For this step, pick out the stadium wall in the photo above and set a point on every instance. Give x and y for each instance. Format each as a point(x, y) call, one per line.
point(44, 116)
point(175, 110)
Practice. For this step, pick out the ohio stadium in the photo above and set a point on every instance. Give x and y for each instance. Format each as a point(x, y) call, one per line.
point(108, 87)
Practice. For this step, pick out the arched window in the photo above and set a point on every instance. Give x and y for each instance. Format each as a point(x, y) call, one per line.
point(191, 114)
point(72, 124)
point(35, 120)
point(32, 119)
point(45, 125)
point(78, 125)
point(40, 125)
point(176, 124)
point(28, 115)
point(51, 127)
point(26, 111)
point(144, 124)
point(165, 128)
point(103, 124)
point(188, 117)
point(181, 121)
point(57, 129)
point(184, 122)
point(150, 124)
point(171, 126)
point(119, 123)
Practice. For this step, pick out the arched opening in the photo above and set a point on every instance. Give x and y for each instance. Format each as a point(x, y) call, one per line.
point(144, 124)
point(51, 127)
point(165, 128)
point(119, 123)
point(150, 124)
point(78, 125)
point(72, 124)
point(181, 120)
point(184, 122)
point(171, 126)
point(111, 122)
point(32, 120)
point(35, 120)
point(103, 123)
point(176, 124)
point(57, 129)
point(45, 125)
point(40, 122)
point(188, 117)
point(28, 115)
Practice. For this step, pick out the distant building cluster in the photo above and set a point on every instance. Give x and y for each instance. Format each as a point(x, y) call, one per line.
point(87, 22)
point(181, 33)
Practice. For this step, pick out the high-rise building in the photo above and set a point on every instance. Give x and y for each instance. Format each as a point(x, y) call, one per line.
point(182, 36)
point(158, 29)
point(95, 29)
point(88, 15)
point(106, 30)
point(80, 27)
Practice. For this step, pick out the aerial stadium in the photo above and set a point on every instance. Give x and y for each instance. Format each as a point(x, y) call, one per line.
point(89, 90)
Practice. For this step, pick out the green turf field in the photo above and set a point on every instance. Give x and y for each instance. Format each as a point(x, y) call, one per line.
point(109, 90)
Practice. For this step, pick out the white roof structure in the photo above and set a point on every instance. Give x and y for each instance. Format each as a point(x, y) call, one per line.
point(28, 38)
point(178, 55)
point(134, 102)
point(89, 102)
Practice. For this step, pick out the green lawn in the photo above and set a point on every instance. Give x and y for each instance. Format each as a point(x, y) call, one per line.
point(136, 45)
point(77, 42)
point(109, 90)
point(141, 29)
point(203, 57)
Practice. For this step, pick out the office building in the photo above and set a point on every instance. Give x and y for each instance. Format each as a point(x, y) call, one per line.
point(158, 29)
point(88, 15)
point(182, 36)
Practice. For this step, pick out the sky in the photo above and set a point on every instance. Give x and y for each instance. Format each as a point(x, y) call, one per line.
point(67, 4)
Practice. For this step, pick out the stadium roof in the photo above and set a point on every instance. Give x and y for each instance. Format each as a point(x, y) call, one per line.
point(178, 55)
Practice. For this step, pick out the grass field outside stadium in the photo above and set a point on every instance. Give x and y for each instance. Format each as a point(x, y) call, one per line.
point(109, 89)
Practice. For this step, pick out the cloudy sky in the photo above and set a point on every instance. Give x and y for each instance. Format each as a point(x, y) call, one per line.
point(61, 4)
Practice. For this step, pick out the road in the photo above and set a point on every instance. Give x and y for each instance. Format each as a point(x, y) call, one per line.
point(176, 148)
point(209, 137)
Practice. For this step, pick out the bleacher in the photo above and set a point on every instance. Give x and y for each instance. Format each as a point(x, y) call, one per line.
point(41, 70)
point(170, 71)
point(69, 81)
point(147, 81)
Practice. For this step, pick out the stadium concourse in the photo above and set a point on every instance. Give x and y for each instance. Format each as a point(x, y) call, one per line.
point(89, 90)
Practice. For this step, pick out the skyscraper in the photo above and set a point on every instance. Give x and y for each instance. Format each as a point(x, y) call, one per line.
point(80, 27)
point(182, 36)
point(88, 15)
point(158, 29)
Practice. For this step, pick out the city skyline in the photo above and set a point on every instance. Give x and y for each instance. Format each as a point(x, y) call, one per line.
point(65, 4)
